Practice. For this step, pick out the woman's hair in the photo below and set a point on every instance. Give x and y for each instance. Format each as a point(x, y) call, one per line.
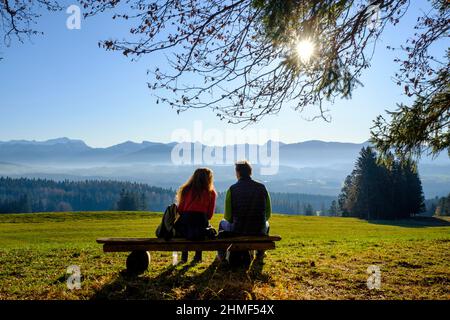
point(202, 180)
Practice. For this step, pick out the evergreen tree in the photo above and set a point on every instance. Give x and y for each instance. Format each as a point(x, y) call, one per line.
point(345, 197)
point(381, 190)
point(443, 206)
point(333, 211)
point(323, 212)
point(143, 202)
point(413, 190)
point(308, 209)
point(94, 195)
point(129, 201)
point(368, 185)
point(397, 189)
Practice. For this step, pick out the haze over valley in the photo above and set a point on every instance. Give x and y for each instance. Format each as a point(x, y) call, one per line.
point(311, 167)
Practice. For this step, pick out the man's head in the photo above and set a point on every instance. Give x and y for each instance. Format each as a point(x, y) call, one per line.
point(243, 169)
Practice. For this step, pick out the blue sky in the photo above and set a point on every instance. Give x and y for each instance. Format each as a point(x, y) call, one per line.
point(62, 84)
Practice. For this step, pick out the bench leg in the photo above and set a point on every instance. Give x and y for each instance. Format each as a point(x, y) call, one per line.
point(138, 262)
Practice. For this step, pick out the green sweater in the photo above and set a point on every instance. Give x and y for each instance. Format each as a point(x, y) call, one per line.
point(227, 215)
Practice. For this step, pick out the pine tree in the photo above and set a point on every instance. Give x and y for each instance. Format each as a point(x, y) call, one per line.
point(443, 206)
point(309, 211)
point(381, 190)
point(413, 190)
point(323, 212)
point(333, 211)
point(368, 183)
point(143, 203)
point(128, 201)
point(345, 197)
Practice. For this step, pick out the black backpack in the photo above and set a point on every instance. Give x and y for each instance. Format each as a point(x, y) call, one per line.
point(235, 259)
point(166, 229)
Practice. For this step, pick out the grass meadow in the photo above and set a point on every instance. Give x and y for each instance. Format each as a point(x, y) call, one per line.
point(317, 258)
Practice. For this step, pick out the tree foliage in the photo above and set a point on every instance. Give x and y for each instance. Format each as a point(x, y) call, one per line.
point(18, 18)
point(386, 190)
point(239, 57)
point(425, 125)
point(333, 211)
point(16, 205)
point(131, 201)
point(39, 195)
point(288, 203)
point(422, 127)
point(443, 206)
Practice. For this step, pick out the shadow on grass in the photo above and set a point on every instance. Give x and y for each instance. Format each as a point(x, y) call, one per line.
point(416, 222)
point(217, 281)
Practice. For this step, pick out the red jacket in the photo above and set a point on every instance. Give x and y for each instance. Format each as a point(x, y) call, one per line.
point(206, 203)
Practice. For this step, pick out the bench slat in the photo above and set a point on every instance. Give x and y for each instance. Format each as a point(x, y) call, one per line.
point(150, 241)
point(193, 246)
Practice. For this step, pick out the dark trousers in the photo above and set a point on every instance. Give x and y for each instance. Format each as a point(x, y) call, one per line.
point(226, 226)
point(192, 226)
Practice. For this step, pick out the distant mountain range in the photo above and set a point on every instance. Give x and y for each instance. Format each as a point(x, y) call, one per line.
point(313, 167)
point(67, 151)
point(70, 151)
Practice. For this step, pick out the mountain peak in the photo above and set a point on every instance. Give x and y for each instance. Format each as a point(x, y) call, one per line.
point(63, 140)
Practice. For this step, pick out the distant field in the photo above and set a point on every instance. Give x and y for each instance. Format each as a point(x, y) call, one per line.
point(318, 258)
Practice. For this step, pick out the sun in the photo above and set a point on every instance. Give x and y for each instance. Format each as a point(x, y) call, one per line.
point(304, 49)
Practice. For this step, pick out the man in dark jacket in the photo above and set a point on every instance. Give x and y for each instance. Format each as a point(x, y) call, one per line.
point(247, 205)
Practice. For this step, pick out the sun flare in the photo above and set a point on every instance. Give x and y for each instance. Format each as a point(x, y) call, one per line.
point(304, 49)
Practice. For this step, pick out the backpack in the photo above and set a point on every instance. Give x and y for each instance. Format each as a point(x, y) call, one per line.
point(235, 259)
point(239, 259)
point(166, 229)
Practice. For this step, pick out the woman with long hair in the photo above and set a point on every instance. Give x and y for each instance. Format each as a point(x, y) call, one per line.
point(196, 200)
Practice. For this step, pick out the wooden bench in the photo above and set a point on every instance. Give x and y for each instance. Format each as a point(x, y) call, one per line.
point(139, 258)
